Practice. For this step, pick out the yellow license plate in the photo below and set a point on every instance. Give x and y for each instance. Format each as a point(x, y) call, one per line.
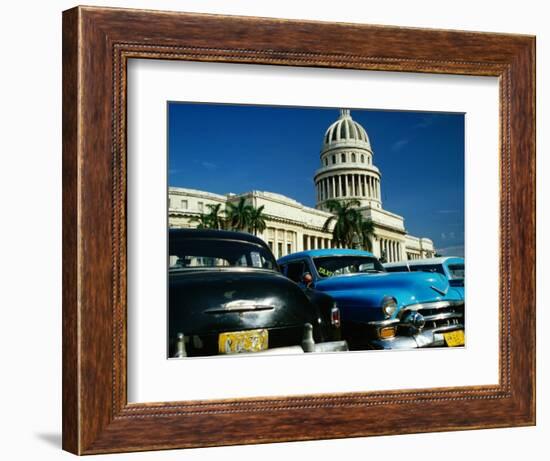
point(454, 338)
point(242, 341)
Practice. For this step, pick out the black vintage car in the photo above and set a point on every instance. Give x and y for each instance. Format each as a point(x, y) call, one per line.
point(226, 295)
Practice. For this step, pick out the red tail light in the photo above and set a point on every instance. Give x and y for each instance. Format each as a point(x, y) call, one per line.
point(335, 317)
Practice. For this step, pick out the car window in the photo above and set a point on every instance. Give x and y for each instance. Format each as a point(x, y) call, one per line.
point(194, 253)
point(329, 266)
point(295, 271)
point(397, 269)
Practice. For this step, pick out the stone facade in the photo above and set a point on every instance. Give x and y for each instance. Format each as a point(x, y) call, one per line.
point(347, 172)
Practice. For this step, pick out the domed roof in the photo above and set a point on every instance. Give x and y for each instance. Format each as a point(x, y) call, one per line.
point(345, 129)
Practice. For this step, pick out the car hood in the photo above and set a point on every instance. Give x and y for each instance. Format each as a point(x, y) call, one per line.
point(206, 301)
point(406, 287)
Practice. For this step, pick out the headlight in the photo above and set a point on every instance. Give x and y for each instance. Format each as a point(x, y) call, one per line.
point(389, 306)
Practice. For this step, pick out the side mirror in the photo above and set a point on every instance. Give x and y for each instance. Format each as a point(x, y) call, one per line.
point(307, 279)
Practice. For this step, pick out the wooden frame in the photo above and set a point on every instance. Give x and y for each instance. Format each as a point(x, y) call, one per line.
point(97, 43)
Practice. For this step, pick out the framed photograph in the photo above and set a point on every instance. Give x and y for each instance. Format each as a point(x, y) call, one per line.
point(279, 230)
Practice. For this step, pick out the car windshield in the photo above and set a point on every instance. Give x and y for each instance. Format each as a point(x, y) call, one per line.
point(456, 271)
point(196, 253)
point(428, 268)
point(341, 265)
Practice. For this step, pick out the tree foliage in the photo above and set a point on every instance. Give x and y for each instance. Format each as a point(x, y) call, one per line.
point(350, 228)
point(238, 216)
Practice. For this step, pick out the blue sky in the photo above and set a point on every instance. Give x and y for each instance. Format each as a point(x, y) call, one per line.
point(238, 148)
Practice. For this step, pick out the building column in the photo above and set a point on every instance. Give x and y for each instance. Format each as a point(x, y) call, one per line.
point(333, 181)
point(345, 190)
point(346, 185)
point(370, 186)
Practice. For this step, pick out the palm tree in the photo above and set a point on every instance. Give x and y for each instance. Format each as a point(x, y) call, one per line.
point(367, 233)
point(203, 221)
point(347, 221)
point(215, 218)
point(257, 220)
point(238, 215)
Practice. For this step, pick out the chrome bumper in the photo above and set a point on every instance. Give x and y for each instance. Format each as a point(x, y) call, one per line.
point(425, 338)
point(428, 332)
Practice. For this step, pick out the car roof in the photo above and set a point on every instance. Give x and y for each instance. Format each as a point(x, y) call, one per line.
point(422, 262)
point(324, 252)
point(216, 234)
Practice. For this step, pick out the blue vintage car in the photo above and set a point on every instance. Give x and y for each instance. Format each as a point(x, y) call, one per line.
point(452, 267)
point(381, 310)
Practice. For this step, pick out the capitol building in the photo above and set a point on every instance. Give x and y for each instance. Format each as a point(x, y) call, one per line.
point(346, 172)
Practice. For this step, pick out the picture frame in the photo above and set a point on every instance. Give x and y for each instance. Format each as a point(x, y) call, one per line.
point(97, 44)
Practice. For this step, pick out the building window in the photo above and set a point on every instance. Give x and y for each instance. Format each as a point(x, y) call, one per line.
point(270, 243)
point(184, 204)
point(333, 159)
point(279, 249)
point(305, 242)
point(169, 203)
point(326, 161)
point(200, 206)
point(288, 248)
point(353, 158)
point(343, 157)
point(362, 158)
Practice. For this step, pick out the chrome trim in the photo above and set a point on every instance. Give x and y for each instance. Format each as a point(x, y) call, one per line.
point(238, 308)
point(443, 316)
point(444, 329)
point(383, 323)
point(441, 292)
point(414, 319)
point(433, 305)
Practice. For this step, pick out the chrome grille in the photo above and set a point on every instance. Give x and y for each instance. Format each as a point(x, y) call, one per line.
point(438, 316)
